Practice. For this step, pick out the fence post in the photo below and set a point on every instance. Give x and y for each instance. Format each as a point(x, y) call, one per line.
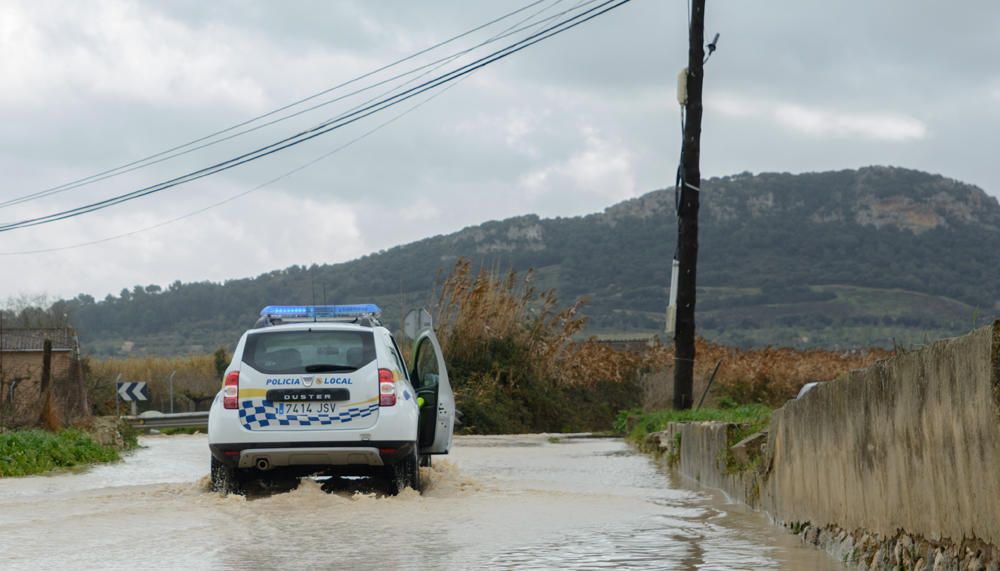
point(46, 365)
point(118, 413)
point(172, 373)
point(49, 417)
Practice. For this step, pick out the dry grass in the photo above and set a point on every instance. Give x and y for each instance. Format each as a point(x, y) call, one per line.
point(770, 375)
point(195, 379)
point(50, 418)
point(491, 320)
point(505, 340)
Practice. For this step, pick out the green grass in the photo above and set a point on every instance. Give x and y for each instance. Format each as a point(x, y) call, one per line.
point(755, 417)
point(35, 451)
point(130, 435)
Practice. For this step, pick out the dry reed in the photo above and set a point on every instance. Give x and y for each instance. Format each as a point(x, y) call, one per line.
point(195, 379)
point(513, 332)
point(768, 375)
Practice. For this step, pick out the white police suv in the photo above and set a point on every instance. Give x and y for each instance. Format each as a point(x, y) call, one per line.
point(324, 390)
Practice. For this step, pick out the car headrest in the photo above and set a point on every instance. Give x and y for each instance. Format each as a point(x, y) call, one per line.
point(354, 356)
point(283, 358)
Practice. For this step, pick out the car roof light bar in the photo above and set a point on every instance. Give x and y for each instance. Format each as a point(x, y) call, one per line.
point(321, 311)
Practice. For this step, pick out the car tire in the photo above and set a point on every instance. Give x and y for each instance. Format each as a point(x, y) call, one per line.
point(405, 474)
point(425, 460)
point(413, 467)
point(225, 479)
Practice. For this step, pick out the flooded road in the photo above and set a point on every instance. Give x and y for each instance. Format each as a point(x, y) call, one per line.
point(504, 502)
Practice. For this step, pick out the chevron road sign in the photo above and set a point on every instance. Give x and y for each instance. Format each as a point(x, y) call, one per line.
point(133, 391)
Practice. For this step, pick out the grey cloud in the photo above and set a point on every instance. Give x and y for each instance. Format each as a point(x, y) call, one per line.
point(503, 142)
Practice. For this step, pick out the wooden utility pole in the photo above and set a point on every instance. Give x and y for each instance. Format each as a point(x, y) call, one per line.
point(687, 214)
point(2, 378)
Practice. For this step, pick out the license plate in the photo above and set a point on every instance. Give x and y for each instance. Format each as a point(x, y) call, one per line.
point(305, 407)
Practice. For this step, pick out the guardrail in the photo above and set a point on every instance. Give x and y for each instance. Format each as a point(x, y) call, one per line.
point(176, 420)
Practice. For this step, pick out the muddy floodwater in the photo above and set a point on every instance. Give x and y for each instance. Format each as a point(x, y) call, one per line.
point(504, 502)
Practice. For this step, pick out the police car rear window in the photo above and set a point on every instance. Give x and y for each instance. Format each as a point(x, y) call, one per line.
point(292, 352)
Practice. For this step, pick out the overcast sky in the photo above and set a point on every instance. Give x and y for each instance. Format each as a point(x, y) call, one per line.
point(563, 128)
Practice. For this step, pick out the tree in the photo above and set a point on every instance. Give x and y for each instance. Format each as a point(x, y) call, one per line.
point(221, 361)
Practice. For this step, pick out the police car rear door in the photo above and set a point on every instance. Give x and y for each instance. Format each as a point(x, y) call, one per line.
point(430, 379)
point(309, 377)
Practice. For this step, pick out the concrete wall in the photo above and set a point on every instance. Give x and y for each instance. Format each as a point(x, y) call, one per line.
point(896, 466)
point(705, 456)
point(912, 444)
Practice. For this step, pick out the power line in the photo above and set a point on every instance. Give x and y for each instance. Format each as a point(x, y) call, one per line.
point(439, 63)
point(170, 154)
point(126, 167)
point(246, 157)
point(327, 126)
point(295, 170)
point(239, 195)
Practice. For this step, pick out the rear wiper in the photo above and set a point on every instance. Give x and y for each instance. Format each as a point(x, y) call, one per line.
point(329, 368)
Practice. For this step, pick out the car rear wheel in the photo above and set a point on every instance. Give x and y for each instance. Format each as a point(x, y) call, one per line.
point(405, 474)
point(225, 479)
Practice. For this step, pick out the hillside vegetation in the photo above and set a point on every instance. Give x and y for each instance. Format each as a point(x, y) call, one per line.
point(875, 256)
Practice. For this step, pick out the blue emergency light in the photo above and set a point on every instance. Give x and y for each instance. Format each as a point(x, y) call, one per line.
point(320, 311)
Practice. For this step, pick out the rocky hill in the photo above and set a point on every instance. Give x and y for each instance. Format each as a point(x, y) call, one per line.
point(839, 259)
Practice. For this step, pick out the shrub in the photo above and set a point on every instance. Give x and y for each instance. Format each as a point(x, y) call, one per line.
point(514, 363)
point(637, 424)
point(35, 451)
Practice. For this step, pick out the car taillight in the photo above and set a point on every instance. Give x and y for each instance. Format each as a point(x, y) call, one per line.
point(231, 390)
point(386, 388)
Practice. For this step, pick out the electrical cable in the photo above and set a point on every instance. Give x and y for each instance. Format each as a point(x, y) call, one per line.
point(241, 194)
point(179, 180)
point(288, 173)
point(167, 155)
point(331, 125)
point(107, 173)
point(217, 167)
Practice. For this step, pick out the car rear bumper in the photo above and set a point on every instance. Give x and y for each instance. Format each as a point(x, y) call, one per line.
point(271, 455)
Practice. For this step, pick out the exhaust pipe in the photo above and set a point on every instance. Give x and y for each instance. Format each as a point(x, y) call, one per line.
point(263, 464)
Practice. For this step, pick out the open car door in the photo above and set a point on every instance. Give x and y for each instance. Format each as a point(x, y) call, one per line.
point(430, 379)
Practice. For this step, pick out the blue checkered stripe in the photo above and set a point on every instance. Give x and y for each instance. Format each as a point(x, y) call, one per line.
point(263, 414)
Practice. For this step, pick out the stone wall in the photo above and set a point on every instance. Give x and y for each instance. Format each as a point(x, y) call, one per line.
point(24, 371)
